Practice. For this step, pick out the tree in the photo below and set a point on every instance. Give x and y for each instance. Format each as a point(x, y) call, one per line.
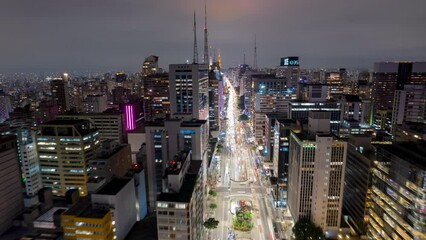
point(213, 193)
point(306, 230)
point(243, 117)
point(213, 206)
point(211, 223)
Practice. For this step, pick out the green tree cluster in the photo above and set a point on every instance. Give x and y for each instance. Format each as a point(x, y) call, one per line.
point(211, 223)
point(306, 230)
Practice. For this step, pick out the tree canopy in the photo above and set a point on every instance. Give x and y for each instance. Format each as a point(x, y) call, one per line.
point(243, 117)
point(306, 230)
point(211, 223)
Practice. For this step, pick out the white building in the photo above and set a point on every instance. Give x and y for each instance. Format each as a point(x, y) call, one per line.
point(119, 197)
point(167, 138)
point(316, 175)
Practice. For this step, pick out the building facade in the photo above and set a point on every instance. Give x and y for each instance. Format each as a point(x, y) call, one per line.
point(11, 197)
point(65, 148)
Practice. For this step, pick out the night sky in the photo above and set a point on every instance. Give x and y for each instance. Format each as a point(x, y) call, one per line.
point(109, 35)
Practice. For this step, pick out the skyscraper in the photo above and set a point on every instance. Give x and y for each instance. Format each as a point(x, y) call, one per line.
point(11, 197)
point(65, 148)
point(156, 96)
point(150, 65)
point(389, 77)
point(60, 94)
point(188, 88)
point(316, 174)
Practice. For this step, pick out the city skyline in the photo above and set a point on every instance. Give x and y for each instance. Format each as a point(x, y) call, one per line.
point(107, 35)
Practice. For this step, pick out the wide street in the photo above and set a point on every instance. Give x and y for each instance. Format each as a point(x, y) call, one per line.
point(239, 179)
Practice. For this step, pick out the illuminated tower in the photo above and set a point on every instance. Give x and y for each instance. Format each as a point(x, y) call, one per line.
point(206, 41)
point(195, 58)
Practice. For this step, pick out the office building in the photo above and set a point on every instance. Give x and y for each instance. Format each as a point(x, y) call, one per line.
point(316, 174)
point(82, 221)
point(180, 210)
point(150, 66)
point(164, 139)
point(397, 192)
point(335, 83)
point(27, 157)
point(280, 155)
point(95, 103)
point(409, 105)
point(110, 124)
point(112, 160)
point(410, 132)
point(5, 106)
point(356, 195)
point(118, 197)
point(65, 148)
point(188, 88)
point(389, 77)
point(11, 197)
point(156, 96)
point(215, 85)
point(290, 69)
point(300, 111)
point(264, 104)
point(60, 94)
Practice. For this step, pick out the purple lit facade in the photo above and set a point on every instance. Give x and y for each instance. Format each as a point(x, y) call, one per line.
point(130, 117)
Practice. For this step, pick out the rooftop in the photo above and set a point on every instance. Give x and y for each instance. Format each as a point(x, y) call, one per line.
point(114, 187)
point(185, 193)
point(193, 123)
point(84, 209)
point(410, 152)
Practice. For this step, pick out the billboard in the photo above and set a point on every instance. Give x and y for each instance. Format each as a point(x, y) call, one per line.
point(289, 61)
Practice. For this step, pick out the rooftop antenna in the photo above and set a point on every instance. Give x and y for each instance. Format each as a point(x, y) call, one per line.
point(206, 41)
point(195, 58)
point(255, 54)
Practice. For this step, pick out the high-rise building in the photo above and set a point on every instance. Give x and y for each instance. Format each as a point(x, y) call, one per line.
point(65, 148)
point(354, 108)
point(189, 91)
point(268, 103)
point(60, 94)
point(335, 82)
point(27, 158)
point(389, 77)
point(95, 103)
point(356, 196)
point(300, 111)
point(112, 160)
point(164, 139)
point(280, 155)
point(156, 96)
point(180, 209)
point(150, 65)
point(5, 106)
point(409, 105)
point(397, 192)
point(118, 197)
point(111, 124)
point(11, 197)
point(316, 174)
point(290, 69)
point(215, 87)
